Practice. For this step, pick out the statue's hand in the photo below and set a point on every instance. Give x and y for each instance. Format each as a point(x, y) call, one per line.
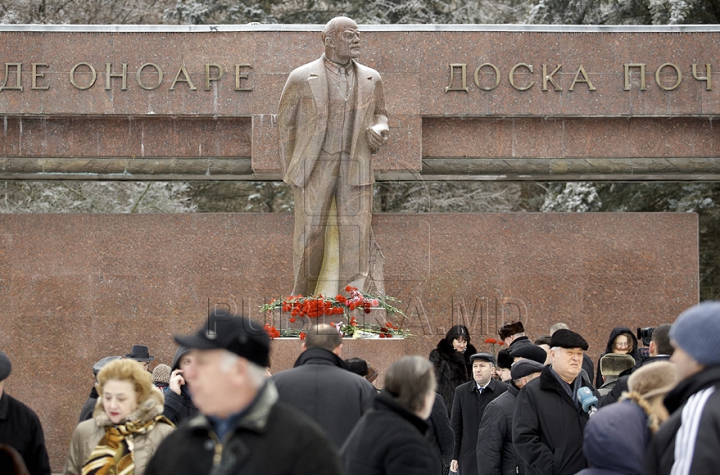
point(377, 135)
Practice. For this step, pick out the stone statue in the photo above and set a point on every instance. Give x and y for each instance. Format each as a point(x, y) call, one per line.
point(331, 119)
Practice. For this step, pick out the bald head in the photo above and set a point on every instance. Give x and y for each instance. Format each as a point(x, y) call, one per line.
point(323, 336)
point(341, 39)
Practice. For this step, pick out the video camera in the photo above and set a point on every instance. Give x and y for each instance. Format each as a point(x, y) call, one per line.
point(645, 335)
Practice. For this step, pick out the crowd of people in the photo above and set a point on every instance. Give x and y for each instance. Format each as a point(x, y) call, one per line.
point(535, 408)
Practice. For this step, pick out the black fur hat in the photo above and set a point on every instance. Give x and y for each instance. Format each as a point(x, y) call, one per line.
point(504, 360)
point(511, 328)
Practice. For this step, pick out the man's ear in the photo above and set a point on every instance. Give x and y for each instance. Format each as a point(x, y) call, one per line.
point(304, 346)
point(338, 350)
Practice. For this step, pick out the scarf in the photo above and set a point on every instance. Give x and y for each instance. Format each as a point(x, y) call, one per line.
point(114, 453)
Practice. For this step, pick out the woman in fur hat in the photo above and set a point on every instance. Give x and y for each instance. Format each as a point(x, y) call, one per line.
point(621, 341)
point(127, 424)
point(451, 359)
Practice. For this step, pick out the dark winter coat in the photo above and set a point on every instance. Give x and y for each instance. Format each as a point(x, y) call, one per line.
point(20, 429)
point(389, 440)
point(589, 367)
point(269, 438)
point(440, 433)
point(322, 387)
point(495, 452)
point(467, 413)
point(608, 349)
point(87, 410)
point(179, 407)
point(621, 385)
point(699, 443)
point(452, 369)
point(615, 440)
point(548, 427)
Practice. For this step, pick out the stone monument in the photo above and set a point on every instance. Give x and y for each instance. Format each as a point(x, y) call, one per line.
point(331, 119)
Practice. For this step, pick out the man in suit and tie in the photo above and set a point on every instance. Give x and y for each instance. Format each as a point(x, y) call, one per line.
point(469, 403)
point(331, 119)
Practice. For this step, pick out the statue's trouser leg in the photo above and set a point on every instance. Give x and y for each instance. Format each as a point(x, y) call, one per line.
point(312, 204)
point(354, 205)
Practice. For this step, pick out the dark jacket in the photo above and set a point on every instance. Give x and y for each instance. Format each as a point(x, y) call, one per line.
point(704, 437)
point(440, 433)
point(495, 452)
point(87, 410)
point(615, 440)
point(548, 427)
point(452, 369)
point(608, 349)
point(467, 412)
point(179, 407)
point(389, 439)
point(621, 385)
point(20, 429)
point(589, 367)
point(321, 386)
point(269, 437)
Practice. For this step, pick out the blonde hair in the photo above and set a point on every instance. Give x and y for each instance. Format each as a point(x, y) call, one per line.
point(130, 371)
point(653, 419)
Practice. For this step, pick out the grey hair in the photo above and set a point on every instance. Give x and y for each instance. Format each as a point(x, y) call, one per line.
point(257, 374)
point(227, 361)
point(409, 380)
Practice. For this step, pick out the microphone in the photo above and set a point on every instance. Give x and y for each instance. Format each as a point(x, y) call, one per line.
point(588, 400)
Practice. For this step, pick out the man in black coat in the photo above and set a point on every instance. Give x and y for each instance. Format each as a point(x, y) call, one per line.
point(549, 421)
point(20, 427)
point(322, 386)
point(513, 335)
point(588, 364)
point(469, 404)
point(440, 434)
point(687, 443)
point(495, 451)
point(243, 427)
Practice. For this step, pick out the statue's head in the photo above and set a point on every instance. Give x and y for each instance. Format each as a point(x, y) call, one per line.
point(341, 39)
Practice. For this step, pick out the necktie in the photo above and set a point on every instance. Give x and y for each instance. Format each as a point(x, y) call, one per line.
point(343, 83)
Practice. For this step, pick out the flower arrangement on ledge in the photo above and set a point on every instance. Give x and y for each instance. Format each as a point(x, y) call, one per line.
point(345, 308)
point(493, 342)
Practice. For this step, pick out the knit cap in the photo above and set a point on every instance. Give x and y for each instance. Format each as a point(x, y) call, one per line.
point(161, 374)
point(697, 332)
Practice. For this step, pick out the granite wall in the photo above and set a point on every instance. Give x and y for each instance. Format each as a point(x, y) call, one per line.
point(508, 102)
point(76, 288)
